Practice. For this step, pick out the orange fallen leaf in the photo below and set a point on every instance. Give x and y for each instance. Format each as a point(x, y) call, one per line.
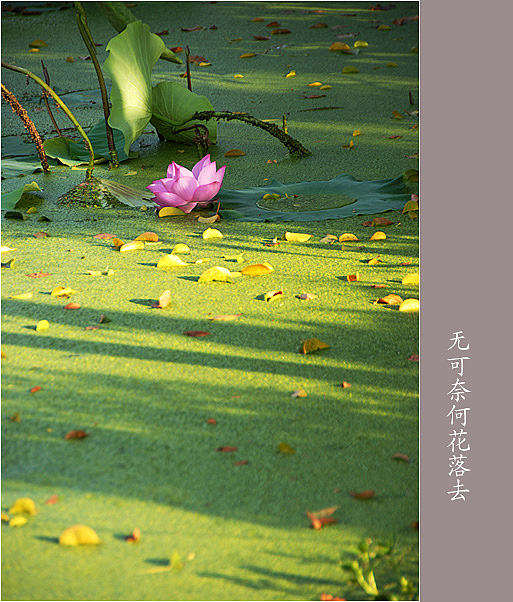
point(225, 317)
point(196, 333)
point(241, 463)
point(397, 115)
point(54, 499)
point(322, 517)
point(414, 357)
point(227, 448)
point(176, 49)
point(318, 25)
point(38, 275)
point(299, 393)
point(105, 236)
point(330, 598)
point(312, 345)
point(148, 237)
point(378, 285)
point(279, 31)
point(364, 495)
point(35, 389)
point(211, 421)
point(401, 457)
point(117, 242)
point(273, 24)
point(76, 435)
point(353, 277)
point(345, 385)
point(390, 300)
point(234, 152)
point(247, 55)
point(340, 46)
point(134, 537)
point(72, 306)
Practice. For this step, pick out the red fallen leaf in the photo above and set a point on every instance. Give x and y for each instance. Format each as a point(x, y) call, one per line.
point(162, 33)
point(381, 221)
point(394, 137)
point(275, 32)
point(92, 328)
point(135, 536)
point(322, 517)
point(76, 435)
point(227, 448)
point(52, 500)
point(273, 24)
point(213, 27)
point(72, 306)
point(380, 7)
point(316, 523)
point(404, 19)
point(315, 96)
point(262, 37)
point(196, 58)
point(176, 49)
point(401, 457)
point(378, 285)
point(196, 333)
point(35, 389)
point(105, 236)
point(415, 525)
point(38, 275)
point(98, 44)
point(329, 598)
point(318, 25)
point(363, 495)
point(211, 421)
point(414, 357)
point(241, 463)
point(406, 263)
point(196, 28)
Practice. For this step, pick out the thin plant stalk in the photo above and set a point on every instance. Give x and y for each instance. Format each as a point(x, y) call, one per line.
point(89, 42)
point(188, 68)
point(45, 98)
point(9, 97)
point(44, 85)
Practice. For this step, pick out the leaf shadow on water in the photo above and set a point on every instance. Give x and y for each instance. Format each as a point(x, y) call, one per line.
point(144, 302)
point(54, 540)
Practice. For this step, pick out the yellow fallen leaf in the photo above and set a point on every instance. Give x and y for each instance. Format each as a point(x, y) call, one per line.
point(311, 345)
point(131, 173)
point(61, 291)
point(37, 50)
point(384, 28)
point(135, 245)
point(148, 237)
point(340, 46)
point(204, 64)
point(79, 535)
point(397, 115)
point(360, 44)
point(117, 242)
point(326, 87)
point(70, 59)
point(23, 505)
point(356, 133)
point(226, 317)
point(247, 55)
point(257, 269)
point(216, 273)
point(284, 448)
point(411, 279)
point(350, 69)
point(409, 305)
point(291, 74)
point(203, 260)
point(164, 300)
point(171, 211)
point(209, 220)
point(22, 296)
point(296, 237)
point(5, 517)
point(346, 237)
point(4, 249)
point(38, 44)
point(315, 84)
point(391, 64)
point(180, 248)
point(170, 261)
point(94, 272)
point(42, 325)
point(32, 210)
point(271, 196)
point(234, 152)
point(378, 236)
point(410, 206)
point(17, 521)
point(211, 233)
point(329, 238)
point(299, 393)
point(374, 261)
point(273, 295)
point(412, 214)
point(238, 76)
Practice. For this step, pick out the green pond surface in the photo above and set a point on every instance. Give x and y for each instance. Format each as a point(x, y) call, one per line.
point(143, 391)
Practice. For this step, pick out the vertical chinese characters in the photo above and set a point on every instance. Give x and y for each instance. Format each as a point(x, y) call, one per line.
point(458, 417)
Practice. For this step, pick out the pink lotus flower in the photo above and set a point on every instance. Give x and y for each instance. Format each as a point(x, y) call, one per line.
point(185, 189)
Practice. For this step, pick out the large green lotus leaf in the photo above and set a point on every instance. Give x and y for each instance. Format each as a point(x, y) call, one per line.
point(132, 55)
point(344, 195)
point(173, 104)
point(14, 167)
point(71, 153)
point(10, 199)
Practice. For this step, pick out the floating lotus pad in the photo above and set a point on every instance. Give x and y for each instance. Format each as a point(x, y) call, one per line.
point(343, 196)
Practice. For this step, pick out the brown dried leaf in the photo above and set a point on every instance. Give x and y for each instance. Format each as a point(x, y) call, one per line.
point(364, 495)
point(148, 237)
point(227, 448)
point(76, 435)
point(196, 333)
point(234, 152)
point(401, 457)
point(391, 299)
